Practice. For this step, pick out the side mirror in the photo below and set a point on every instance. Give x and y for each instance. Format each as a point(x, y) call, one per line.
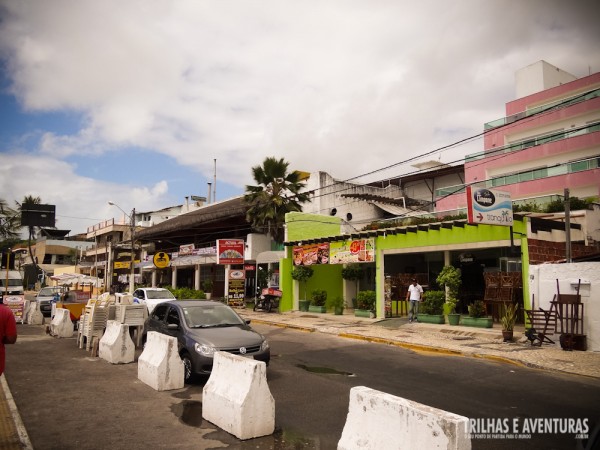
point(248, 321)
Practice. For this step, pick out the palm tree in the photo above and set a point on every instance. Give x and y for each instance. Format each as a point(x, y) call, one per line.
point(9, 222)
point(277, 193)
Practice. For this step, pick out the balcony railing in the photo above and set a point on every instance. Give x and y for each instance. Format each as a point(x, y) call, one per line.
point(527, 175)
point(547, 107)
point(532, 142)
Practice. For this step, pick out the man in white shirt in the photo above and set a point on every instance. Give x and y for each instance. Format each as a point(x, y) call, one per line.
point(414, 294)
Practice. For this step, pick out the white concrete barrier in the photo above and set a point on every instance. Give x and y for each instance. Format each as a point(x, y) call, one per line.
point(61, 325)
point(237, 398)
point(34, 314)
point(159, 365)
point(381, 421)
point(116, 345)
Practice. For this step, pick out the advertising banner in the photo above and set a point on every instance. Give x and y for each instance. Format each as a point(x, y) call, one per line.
point(16, 303)
point(236, 287)
point(306, 255)
point(352, 251)
point(230, 251)
point(489, 206)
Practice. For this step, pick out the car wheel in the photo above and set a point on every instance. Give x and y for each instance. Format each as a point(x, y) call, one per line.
point(187, 368)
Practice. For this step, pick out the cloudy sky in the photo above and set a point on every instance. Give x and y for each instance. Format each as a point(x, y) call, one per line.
point(132, 101)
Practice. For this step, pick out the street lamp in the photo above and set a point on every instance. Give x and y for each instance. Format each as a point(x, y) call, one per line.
point(132, 229)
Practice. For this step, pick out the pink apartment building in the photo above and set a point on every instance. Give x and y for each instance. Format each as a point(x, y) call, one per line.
point(548, 141)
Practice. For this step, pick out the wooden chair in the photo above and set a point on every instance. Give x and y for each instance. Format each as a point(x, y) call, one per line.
point(542, 324)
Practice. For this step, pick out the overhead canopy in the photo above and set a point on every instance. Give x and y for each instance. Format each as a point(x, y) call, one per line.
point(70, 279)
point(269, 257)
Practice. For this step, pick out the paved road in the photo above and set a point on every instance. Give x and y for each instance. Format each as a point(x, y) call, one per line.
point(70, 400)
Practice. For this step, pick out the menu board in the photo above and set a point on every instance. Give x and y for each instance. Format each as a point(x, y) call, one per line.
point(16, 304)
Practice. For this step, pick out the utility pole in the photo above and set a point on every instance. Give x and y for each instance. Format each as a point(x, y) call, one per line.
point(132, 268)
point(568, 226)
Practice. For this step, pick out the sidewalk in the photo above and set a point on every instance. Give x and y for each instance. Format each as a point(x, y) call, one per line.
point(458, 340)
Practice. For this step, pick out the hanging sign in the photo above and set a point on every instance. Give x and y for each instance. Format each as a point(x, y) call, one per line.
point(489, 206)
point(160, 260)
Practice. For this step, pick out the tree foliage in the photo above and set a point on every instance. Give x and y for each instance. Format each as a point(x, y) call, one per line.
point(10, 222)
point(277, 192)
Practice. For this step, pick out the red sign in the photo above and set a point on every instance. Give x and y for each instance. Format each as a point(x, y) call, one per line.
point(230, 251)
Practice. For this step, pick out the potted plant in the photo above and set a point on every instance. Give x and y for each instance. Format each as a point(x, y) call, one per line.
point(431, 309)
point(302, 274)
point(353, 272)
point(508, 318)
point(450, 277)
point(207, 286)
point(337, 304)
point(365, 304)
point(318, 297)
point(477, 316)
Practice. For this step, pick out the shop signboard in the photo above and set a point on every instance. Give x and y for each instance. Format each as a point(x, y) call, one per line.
point(309, 254)
point(236, 287)
point(16, 303)
point(230, 251)
point(352, 251)
point(489, 206)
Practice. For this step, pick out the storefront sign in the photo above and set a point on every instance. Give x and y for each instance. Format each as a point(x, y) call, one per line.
point(489, 206)
point(16, 303)
point(122, 265)
point(236, 287)
point(306, 255)
point(230, 251)
point(186, 249)
point(351, 251)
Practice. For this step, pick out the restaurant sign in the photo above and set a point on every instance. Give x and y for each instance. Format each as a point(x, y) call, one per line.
point(230, 251)
point(352, 251)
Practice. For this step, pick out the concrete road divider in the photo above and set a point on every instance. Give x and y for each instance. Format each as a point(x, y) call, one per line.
point(61, 325)
point(236, 397)
point(159, 365)
point(34, 314)
point(381, 421)
point(116, 345)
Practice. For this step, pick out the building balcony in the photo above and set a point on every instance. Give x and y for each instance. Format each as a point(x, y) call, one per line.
point(532, 142)
point(558, 104)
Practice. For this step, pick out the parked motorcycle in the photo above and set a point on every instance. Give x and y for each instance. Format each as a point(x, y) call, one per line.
point(268, 300)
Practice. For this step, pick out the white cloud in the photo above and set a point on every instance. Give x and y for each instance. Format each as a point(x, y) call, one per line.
point(342, 87)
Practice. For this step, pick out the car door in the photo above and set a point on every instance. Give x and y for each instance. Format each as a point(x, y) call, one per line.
point(156, 320)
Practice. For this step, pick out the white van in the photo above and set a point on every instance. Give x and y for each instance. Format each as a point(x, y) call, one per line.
point(15, 282)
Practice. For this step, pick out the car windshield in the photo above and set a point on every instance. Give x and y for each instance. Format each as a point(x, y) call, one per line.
point(162, 294)
point(48, 291)
point(211, 316)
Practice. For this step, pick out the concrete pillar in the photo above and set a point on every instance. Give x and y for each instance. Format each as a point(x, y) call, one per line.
point(174, 277)
point(197, 277)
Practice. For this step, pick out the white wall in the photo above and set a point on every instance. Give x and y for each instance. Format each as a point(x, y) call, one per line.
point(538, 77)
point(542, 285)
